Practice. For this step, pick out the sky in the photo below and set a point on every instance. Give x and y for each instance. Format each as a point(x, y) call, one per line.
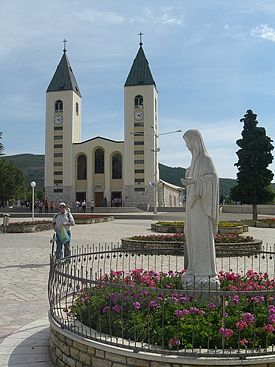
point(212, 60)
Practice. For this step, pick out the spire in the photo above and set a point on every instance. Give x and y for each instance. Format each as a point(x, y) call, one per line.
point(140, 73)
point(64, 78)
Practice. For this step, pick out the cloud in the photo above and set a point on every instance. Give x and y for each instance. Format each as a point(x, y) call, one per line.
point(263, 31)
point(164, 16)
point(96, 16)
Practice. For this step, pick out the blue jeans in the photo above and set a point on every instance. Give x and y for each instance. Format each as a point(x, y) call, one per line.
point(59, 249)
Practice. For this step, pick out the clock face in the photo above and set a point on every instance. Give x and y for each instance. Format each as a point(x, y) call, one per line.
point(58, 119)
point(138, 115)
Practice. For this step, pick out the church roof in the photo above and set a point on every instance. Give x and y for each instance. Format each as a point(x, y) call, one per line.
point(140, 73)
point(64, 78)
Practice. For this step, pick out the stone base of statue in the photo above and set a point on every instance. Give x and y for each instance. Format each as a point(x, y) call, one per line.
point(197, 283)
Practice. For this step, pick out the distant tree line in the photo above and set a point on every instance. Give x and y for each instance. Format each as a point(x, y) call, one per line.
point(12, 184)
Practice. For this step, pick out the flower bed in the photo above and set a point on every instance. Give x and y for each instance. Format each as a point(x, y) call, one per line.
point(261, 223)
point(28, 226)
point(149, 307)
point(168, 226)
point(226, 244)
point(265, 223)
point(178, 226)
point(91, 218)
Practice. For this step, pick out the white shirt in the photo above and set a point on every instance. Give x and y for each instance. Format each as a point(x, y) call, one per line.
point(65, 220)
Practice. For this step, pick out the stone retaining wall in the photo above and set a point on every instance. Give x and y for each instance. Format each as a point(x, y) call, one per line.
point(95, 219)
point(177, 229)
point(177, 247)
point(71, 350)
point(26, 228)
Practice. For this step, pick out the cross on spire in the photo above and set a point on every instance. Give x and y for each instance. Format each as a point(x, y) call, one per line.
point(64, 41)
point(140, 38)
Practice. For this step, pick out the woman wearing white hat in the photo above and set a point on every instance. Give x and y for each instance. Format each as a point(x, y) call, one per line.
point(62, 221)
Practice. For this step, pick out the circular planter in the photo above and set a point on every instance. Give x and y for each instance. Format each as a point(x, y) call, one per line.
point(69, 349)
point(26, 228)
point(234, 230)
point(262, 224)
point(92, 219)
point(166, 229)
point(161, 228)
point(177, 247)
point(83, 221)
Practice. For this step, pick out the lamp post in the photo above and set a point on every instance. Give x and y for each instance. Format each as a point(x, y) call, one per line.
point(155, 150)
point(33, 184)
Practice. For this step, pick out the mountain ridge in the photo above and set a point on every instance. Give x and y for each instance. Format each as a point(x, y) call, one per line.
point(32, 166)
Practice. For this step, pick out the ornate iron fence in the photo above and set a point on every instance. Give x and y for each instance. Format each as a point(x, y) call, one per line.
point(135, 299)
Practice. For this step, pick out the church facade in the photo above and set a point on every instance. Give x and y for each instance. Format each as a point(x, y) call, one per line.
point(109, 172)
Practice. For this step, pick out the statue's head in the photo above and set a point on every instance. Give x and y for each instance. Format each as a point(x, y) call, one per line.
point(194, 141)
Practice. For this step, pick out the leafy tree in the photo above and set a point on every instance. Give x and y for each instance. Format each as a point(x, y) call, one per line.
point(11, 181)
point(254, 178)
point(1, 145)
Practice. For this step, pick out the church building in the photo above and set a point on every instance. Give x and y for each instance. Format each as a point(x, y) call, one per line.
point(109, 172)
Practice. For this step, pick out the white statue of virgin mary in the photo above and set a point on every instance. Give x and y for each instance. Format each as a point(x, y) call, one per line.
point(202, 215)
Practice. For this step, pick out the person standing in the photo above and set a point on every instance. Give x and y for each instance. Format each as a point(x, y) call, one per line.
point(63, 220)
point(92, 206)
point(52, 206)
point(40, 206)
point(46, 205)
point(83, 205)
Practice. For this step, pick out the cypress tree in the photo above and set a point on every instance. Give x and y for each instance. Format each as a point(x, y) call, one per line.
point(255, 154)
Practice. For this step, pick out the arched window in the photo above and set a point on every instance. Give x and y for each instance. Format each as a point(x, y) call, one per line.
point(99, 160)
point(76, 108)
point(82, 167)
point(58, 106)
point(138, 101)
point(116, 166)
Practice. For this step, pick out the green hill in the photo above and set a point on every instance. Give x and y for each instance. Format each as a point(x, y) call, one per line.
point(33, 167)
point(174, 174)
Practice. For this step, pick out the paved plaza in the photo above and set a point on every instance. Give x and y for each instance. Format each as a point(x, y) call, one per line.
point(24, 265)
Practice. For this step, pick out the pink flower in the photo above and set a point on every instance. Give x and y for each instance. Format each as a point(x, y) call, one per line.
point(244, 342)
point(248, 317)
point(269, 329)
point(211, 306)
point(236, 299)
point(153, 304)
point(241, 325)
point(173, 342)
point(194, 310)
point(116, 308)
point(136, 305)
point(106, 309)
point(227, 333)
point(180, 313)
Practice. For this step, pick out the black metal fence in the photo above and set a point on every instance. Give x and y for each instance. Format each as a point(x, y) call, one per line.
point(136, 300)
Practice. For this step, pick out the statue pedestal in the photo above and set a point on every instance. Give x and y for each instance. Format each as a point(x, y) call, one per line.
point(193, 282)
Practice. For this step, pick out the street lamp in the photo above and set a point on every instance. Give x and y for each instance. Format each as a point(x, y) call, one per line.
point(33, 184)
point(155, 150)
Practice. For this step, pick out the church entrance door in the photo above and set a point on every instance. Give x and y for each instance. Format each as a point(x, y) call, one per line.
point(98, 198)
point(80, 196)
point(116, 199)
